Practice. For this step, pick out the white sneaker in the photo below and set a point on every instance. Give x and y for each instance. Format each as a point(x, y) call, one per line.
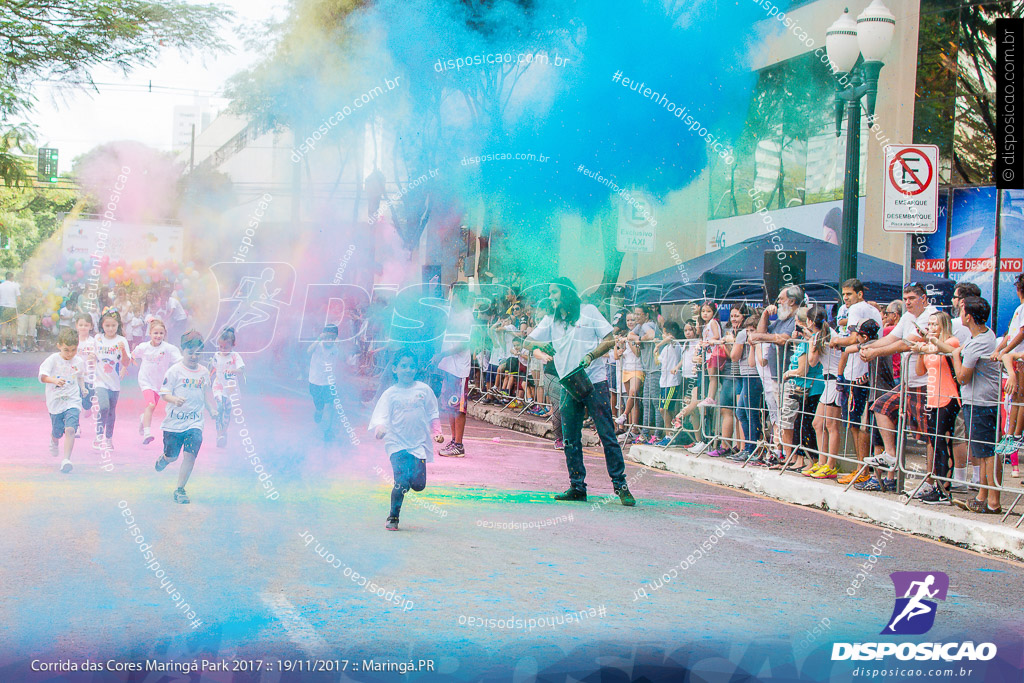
point(707, 403)
point(147, 438)
point(697, 447)
point(621, 420)
point(65, 466)
point(53, 449)
point(882, 460)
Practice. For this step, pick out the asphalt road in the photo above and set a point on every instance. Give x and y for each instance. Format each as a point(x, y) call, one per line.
point(696, 576)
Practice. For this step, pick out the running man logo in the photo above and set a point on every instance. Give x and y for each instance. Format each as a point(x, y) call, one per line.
point(250, 297)
point(916, 592)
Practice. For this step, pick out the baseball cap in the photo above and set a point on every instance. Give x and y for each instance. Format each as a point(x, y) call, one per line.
point(869, 328)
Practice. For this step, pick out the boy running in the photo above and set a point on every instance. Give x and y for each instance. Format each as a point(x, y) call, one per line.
point(63, 373)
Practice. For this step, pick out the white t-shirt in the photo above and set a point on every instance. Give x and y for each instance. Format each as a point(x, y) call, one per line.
point(175, 309)
point(906, 330)
point(324, 355)
point(670, 355)
point(87, 352)
point(223, 369)
point(460, 326)
point(498, 353)
point(59, 399)
point(573, 343)
point(630, 361)
point(406, 413)
point(856, 367)
point(111, 356)
point(155, 362)
point(1016, 322)
point(190, 385)
point(9, 293)
point(690, 347)
point(861, 311)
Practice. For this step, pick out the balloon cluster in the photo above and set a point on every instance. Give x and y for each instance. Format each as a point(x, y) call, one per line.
point(134, 275)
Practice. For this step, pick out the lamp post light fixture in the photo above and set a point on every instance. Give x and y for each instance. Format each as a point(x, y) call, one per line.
point(855, 52)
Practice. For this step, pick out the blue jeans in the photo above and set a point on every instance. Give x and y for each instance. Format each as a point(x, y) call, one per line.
point(749, 411)
point(572, 426)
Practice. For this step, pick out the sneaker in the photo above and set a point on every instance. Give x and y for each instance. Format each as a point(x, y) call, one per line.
point(925, 490)
point(181, 497)
point(826, 473)
point(559, 445)
point(936, 497)
point(718, 453)
point(870, 485)
point(453, 450)
point(739, 456)
point(697, 447)
point(958, 487)
point(847, 478)
point(812, 470)
point(162, 463)
point(147, 438)
point(665, 442)
point(653, 440)
point(222, 440)
point(392, 524)
point(572, 494)
point(882, 460)
point(640, 441)
point(707, 403)
point(889, 485)
point(16, 350)
point(621, 420)
point(626, 497)
point(65, 466)
point(54, 451)
point(515, 404)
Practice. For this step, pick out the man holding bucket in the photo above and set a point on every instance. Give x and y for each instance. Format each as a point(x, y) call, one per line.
point(578, 336)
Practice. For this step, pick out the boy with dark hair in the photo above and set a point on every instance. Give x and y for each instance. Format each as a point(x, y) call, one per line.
point(186, 389)
point(406, 418)
point(63, 373)
point(980, 380)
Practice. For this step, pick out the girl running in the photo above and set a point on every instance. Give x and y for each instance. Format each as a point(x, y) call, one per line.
point(154, 357)
point(225, 369)
point(112, 360)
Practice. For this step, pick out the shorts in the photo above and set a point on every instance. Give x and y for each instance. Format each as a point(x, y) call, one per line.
point(727, 392)
point(454, 394)
point(61, 422)
point(830, 396)
point(150, 397)
point(689, 384)
point(960, 429)
point(190, 439)
point(853, 410)
point(630, 375)
point(670, 399)
point(321, 394)
point(27, 325)
point(792, 399)
point(888, 404)
point(510, 365)
point(981, 429)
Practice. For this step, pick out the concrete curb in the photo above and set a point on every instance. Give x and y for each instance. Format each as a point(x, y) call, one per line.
point(527, 425)
point(970, 532)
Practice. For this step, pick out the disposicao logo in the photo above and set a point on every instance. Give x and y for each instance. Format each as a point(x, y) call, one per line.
point(914, 614)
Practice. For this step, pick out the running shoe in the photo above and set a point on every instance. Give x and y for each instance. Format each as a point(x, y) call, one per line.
point(740, 456)
point(936, 497)
point(697, 447)
point(870, 485)
point(718, 453)
point(162, 463)
point(181, 497)
point(65, 466)
point(666, 441)
point(882, 460)
point(392, 524)
point(925, 490)
point(812, 470)
point(707, 403)
point(147, 438)
point(559, 445)
point(453, 450)
point(515, 404)
point(889, 485)
point(826, 473)
point(653, 440)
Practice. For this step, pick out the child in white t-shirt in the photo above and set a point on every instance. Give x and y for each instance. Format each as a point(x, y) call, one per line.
point(406, 417)
point(154, 357)
point(226, 367)
point(63, 373)
point(186, 389)
point(112, 361)
point(670, 359)
point(87, 352)
point(323, 354)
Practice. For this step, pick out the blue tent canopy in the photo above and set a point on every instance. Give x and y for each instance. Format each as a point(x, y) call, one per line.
point(736, 273)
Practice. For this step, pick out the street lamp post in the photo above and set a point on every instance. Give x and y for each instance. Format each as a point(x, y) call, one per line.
point(845, 43)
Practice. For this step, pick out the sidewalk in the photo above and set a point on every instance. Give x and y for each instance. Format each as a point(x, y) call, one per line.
point(944, 523)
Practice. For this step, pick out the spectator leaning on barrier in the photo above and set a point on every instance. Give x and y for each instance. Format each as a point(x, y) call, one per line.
point(980, 384)
point(943, 402)
point(961, 452)
point(890, 319)
point(645, 334)
point(887, 408)
point(777, 333)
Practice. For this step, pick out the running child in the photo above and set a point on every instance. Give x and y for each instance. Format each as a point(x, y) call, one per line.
point(87, 352)
point(154, 357)
point(405, 417)
point(323, 354)
point(63, 373)
point(186, 389)
point(112, 360)
point(225, 369)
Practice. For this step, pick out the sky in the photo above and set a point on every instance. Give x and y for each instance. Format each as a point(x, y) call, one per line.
point(75, 121)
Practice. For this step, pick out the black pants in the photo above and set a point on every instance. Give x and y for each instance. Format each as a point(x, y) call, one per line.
point(410, 473)
point(572, 425)
point(940, 426)
point(806, 436)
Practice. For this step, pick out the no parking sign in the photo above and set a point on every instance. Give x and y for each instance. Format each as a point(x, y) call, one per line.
point(910, 195)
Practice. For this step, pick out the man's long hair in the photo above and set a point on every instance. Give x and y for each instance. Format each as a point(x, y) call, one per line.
point(569, 309)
